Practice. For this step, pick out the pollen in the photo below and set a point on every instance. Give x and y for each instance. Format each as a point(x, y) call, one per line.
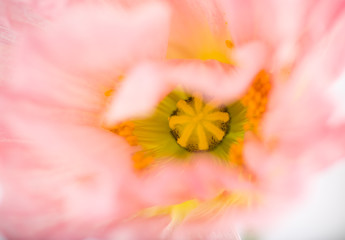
point(229, 44)
point(198, 126)
point(125, 130)
point(140, 159)
point(256, 99)
point(117, 81)
point(236, 153)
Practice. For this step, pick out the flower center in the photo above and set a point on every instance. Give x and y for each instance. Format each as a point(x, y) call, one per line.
point(183, 124)
point(199, 126)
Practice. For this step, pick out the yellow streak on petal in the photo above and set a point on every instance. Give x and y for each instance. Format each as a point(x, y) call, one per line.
point(219, 204)
point(180, 211)
point(182, 105)
point(187, 131)
point(218, 116)
point(174, 120)
point(203, 144)
point(218, 133)
point(199, 210)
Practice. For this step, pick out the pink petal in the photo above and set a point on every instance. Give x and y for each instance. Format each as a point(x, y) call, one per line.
point(152, 81)
point(63, 177)
point(83, 52)
point(223, 82)
point(323, 16)
point(240, 19)
point(336, 94)
point(139, 93)
point(194, 25)
point(93, 38)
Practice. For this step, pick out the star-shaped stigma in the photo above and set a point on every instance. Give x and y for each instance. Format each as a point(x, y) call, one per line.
point(199, 126)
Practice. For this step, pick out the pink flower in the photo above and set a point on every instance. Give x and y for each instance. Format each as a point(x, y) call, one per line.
point(68, 170)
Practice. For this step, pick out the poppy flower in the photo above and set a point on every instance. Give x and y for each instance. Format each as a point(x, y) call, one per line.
point(167, 119)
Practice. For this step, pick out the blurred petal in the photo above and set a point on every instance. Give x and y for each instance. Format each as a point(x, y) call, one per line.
point(53, 172)
point(73, 178)
point(143, 82)
point(84, 52)
point(198, 31)
point(219, 81)
point(96, 38)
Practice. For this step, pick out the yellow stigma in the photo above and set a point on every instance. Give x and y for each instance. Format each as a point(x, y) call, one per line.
point(197, 126)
